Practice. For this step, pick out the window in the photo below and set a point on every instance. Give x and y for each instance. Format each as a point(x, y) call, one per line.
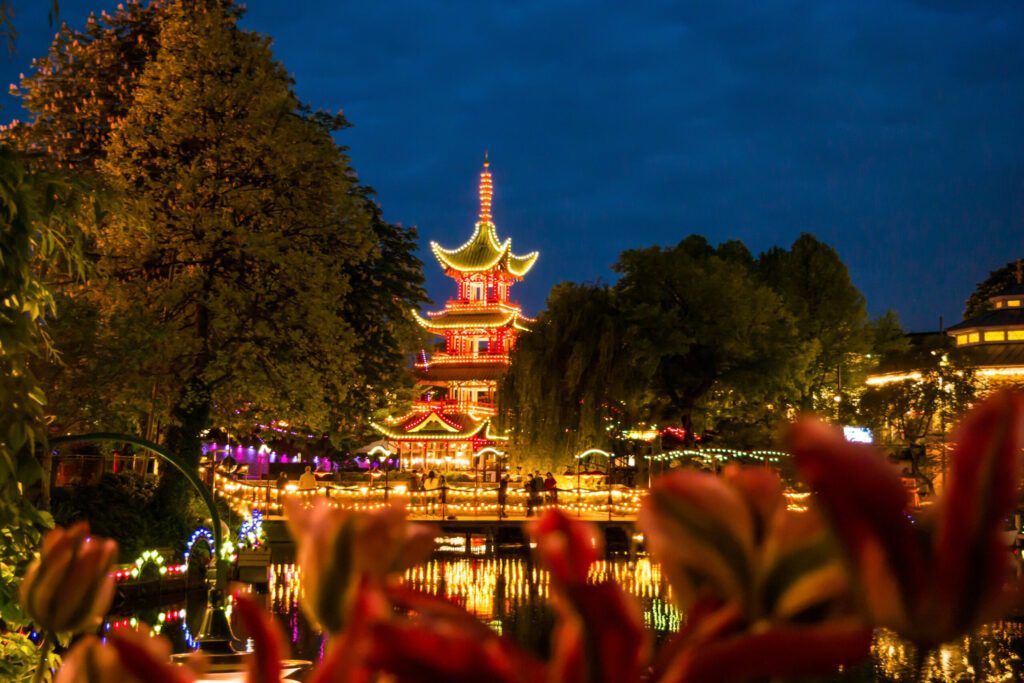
point(483, 345)
point(961, 339)
point(973, 337)
point(1013, 303)
point(1015, 335)
point(995, 336)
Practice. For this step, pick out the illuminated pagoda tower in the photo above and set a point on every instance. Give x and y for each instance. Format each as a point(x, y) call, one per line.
point(452, 420)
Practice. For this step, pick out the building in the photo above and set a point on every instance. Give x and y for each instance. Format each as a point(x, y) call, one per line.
point(450, 425)
point(993, 342)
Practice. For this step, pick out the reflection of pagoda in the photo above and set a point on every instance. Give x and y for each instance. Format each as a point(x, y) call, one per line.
point(452, 422)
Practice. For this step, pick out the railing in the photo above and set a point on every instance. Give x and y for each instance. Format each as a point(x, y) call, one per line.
point(445, 358)
point(479, 407)
point(459, 501)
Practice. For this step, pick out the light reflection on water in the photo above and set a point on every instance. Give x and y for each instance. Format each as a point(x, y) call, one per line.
point(510, 594)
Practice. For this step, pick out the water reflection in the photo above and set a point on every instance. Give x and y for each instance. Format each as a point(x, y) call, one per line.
point(510, 594)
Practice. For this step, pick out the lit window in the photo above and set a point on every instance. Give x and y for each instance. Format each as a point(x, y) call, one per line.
point(1015, 335)
point(961, 339)
point(999, 304)
point(1013, 303)
point(973, 337)
point(999, 335)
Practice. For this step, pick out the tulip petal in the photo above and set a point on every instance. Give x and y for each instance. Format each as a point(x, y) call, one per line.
point(268, 641)
point(970, 555)
point(143, 663)
point(782, 651)
point(867, 506)
point(702, 531)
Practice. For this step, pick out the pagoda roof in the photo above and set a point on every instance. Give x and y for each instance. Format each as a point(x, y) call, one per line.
point(454, 372)
point(435, 425)
point(456, 320)
point(484, 251)
point(997, 317)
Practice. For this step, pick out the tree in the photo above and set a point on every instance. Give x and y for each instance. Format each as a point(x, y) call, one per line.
point(568, 381)
point(917, 410)
point(240, 254)
point(995, 284)
point(704, 334)
point(829, 311)
point(40, 220)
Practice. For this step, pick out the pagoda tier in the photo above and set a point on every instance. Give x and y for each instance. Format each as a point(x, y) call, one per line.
point(484, 253)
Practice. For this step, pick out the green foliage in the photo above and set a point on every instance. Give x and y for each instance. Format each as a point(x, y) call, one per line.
point(688, 336)
point(705, 335)
point(568, 378)
point(829, 311)
point(918, 412)
point(240, 256)
point(133, 521)
point(995, 284)
point(19, 657)
point(37, 238)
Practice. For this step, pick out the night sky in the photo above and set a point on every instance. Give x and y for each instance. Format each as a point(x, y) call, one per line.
point(893, 130)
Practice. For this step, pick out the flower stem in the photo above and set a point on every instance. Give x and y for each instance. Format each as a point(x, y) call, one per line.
point(44, 653)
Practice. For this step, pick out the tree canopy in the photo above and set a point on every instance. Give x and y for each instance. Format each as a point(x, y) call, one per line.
point(691, 336)
point(242, 274)
point(995, 284)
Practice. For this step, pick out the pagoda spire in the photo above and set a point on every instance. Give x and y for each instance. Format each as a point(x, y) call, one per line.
point(486, 191)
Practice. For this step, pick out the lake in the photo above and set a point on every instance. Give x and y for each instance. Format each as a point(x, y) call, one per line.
point(510, 594)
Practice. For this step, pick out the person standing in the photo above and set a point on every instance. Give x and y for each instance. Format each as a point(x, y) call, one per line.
point(502, 496)
point(308, 479)
point(551, 489)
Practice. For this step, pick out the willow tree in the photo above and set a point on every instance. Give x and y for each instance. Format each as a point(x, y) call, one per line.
point(566, 389)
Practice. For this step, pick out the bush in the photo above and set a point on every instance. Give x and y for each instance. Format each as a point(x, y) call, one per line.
point(125, 507)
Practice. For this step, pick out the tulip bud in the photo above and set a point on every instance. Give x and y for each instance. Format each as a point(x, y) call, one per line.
point(127, 657)
point(338, 549)
point(69, 587)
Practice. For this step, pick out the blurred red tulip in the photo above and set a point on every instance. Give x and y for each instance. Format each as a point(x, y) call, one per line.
point(440, 641)
point(126, 657)
point(69, 587)
point(337, 549)
point(600, 635)
point(933, 578)
point(269, 645)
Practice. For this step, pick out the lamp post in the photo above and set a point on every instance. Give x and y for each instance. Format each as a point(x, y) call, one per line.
point(215, 637)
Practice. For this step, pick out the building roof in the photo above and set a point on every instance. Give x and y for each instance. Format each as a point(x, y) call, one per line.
point(458, 320)
point(997, 317)
point(482, 252)
point(435, 425)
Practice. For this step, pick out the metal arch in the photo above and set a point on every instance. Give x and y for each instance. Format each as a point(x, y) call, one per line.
point(164, 454)
point(594, 451)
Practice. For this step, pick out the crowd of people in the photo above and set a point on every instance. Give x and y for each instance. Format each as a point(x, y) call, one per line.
point(540, 489)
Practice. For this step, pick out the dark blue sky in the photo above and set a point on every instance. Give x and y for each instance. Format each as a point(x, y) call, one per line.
point(892, 129)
